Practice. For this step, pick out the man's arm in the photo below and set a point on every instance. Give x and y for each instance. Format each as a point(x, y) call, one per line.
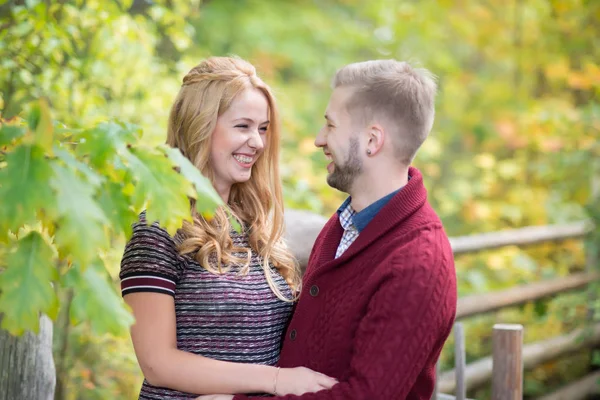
point(410, 314)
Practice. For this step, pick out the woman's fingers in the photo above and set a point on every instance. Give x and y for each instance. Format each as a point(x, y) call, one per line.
point(326, 381)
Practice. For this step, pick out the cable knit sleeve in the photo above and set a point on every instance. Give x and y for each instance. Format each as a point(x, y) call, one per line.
point(409, 315)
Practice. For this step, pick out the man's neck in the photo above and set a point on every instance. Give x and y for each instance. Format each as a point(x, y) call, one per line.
point(368, 188)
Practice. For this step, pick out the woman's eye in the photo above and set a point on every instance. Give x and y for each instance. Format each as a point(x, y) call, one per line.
point(242, 126)
point(264, 128)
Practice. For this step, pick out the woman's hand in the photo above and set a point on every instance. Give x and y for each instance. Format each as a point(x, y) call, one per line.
point(301, 380)
point(296, 381)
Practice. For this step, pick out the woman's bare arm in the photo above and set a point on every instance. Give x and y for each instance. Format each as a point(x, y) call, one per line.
point(155, 342)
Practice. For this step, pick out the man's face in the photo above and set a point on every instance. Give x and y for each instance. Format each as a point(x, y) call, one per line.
point(340, 142)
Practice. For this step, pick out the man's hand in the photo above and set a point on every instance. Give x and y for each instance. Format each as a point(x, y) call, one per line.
point(215, 397)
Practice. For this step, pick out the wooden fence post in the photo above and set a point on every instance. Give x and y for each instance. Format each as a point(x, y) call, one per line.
point(27, 369)
point(460, 361)
point(507, 375)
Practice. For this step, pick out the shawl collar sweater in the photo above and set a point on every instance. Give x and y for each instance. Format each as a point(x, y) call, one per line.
point(377, 317)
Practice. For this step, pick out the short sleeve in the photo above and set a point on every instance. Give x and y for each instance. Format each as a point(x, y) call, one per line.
point(151, 262)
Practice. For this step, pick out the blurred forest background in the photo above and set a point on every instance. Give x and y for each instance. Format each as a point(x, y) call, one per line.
point(516, 140)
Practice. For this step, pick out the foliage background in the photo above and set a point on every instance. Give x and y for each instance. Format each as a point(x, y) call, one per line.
point(515, 143)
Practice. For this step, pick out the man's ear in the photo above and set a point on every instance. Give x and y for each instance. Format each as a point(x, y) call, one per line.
point(376, 138)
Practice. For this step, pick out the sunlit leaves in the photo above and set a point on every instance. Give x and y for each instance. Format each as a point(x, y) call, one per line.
point(204, 190)
point(81, 221)
point(43, 126)
point(26, 284)
point(24, 187)
point(9, 132)
point(92, 177)
point(104, 142)
point(117, 208)
point(66, 198)
point(96, 300)
point(160, 188)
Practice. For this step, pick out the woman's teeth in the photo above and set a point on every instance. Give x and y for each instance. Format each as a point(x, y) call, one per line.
point(243, 159)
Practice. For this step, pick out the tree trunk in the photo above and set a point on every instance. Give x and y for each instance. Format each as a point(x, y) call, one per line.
point(26, 365)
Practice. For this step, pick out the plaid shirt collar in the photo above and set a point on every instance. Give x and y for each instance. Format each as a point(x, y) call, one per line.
point(359, 220)
point(346, 214)
point(348, 217)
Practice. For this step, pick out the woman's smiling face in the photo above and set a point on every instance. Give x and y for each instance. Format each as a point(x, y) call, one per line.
point(239, 139)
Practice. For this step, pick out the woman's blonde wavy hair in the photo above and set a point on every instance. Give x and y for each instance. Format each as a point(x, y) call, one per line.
point(207, 92)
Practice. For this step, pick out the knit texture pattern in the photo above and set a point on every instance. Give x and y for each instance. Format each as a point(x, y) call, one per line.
point(228, 317)
point(382, 310)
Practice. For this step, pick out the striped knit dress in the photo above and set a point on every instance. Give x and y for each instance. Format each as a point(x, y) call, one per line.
point(228, 317)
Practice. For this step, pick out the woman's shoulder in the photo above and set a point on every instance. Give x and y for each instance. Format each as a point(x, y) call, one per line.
point(150, 250)
point(150, 230)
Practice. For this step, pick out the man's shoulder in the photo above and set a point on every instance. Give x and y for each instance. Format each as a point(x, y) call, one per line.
point(423, 225)
point(422, 257)
point(424, 242)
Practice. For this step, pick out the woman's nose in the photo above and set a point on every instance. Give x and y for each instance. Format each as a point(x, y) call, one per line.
point(256, 141)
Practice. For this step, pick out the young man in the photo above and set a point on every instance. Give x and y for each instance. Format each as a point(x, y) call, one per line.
point(379, 293)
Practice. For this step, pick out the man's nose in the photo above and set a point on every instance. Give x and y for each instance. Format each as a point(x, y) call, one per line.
point(320, 138)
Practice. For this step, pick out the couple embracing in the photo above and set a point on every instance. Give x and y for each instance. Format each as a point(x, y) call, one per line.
point(222, 314)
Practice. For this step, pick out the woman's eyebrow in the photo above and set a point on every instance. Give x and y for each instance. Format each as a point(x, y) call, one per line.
point(250, 120)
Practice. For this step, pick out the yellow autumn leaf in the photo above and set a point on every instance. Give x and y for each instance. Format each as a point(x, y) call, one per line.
point(558, 70)
point(485, 161)
point(578, 80)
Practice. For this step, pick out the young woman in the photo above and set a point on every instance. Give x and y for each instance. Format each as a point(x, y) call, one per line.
point(210, 303)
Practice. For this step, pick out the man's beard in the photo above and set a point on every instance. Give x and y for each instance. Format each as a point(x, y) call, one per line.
point(343, 176)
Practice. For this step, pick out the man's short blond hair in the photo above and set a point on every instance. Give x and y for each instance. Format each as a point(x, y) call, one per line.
point(396, 92)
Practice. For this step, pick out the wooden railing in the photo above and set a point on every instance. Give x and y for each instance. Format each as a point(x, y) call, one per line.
point(504, 368)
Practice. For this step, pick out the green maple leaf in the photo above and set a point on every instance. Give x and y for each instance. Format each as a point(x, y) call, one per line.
point(160, 188)
point(115, 204)
point(205, 193)
point(90, 175)
point(10, 132)
point(207, 198)
point(95, 300)
point(24, 188)
point(80, 232)
point(104, 141)
point(25, 285)
point(34, 117)
point(44, 131)
point(3, 249)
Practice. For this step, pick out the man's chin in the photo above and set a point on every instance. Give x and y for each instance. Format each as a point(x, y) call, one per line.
point(335, 183)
